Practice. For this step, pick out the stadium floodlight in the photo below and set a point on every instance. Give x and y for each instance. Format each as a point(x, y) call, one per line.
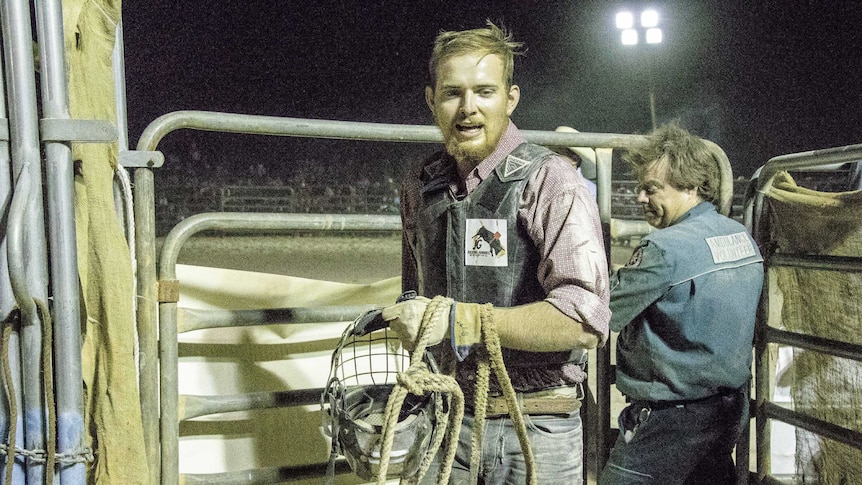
point(625, 20)
point(652, 34)
point(649, 19)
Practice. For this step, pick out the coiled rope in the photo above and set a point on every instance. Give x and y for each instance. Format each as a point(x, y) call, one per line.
point(418, 379)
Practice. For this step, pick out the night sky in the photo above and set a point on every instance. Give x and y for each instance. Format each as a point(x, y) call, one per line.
point(759, 78)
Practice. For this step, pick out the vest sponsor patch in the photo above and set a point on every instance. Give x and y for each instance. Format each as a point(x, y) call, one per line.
point(486, 242)
point(514, 164)
point(730, 248)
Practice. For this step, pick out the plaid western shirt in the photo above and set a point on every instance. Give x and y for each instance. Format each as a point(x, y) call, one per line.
point(560, 215)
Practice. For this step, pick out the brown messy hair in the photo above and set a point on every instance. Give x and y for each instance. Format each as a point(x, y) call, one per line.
point(486, 41)
point(689, 161)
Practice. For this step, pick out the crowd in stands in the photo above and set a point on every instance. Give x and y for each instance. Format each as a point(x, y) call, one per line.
point(190, 185)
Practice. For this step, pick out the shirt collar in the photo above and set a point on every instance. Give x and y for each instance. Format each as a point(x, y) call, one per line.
point(444, 171)
point(510, 140)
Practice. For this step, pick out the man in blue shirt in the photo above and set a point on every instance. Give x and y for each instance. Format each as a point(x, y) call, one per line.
point(684, 306)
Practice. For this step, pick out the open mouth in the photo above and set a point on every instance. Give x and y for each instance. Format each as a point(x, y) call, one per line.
point(469, 130)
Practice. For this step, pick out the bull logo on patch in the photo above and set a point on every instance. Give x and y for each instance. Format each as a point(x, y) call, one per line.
point(491, 238)
point(485, 242)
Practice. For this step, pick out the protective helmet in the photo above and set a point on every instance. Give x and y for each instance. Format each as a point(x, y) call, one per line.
point(362, 377)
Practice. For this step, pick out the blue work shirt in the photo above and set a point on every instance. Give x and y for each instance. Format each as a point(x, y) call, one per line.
point(685, 307)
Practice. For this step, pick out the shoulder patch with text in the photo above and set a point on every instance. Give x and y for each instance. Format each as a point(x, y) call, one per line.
point(486, 242)
point(732, 247)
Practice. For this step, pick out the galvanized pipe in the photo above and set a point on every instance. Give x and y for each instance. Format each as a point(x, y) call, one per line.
point(267, 475)
point(63, 243)
point(223, 221)
point(196, 319)
point(7, 302)
point(796, 161)
point(765, 335)
point(195, 406)
point(345, 130)
point(24, 137)
point(267, 125)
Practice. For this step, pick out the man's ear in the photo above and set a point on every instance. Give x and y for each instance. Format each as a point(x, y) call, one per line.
point(429, 97)
point(514, 97)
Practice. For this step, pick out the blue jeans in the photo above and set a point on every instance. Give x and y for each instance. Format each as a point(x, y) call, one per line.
point(683, 444)
point(556, 441)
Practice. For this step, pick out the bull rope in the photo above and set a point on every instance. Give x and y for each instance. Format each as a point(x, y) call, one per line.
point(418, 379)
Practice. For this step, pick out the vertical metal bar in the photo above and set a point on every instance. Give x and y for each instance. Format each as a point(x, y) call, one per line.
point(762, 376)
point(604, 377)
point(148, 345)
point(63, 243)
point(148, 380)
point(7, 304)
point(24, 142)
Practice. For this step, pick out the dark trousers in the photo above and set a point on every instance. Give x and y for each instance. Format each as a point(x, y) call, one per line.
point(681, 443)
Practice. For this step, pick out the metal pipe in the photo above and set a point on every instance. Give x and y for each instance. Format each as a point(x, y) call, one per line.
point(809, 159)
point(848, 264)
point(267, 125)
point(822, 428)
point(145, 317)
point(795, 161)
point(604, 370)
point(224, 221)
point(63, 244)
point(7, 303)
point(196, 319)
point(345, 130)
point(267, 475)
point(195, 406)
point(24, 138)
point(835, 348)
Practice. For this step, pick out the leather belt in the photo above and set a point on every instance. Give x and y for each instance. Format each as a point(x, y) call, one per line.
point(542, 402)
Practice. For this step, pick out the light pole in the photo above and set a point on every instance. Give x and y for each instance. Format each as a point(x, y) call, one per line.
point(652, 34)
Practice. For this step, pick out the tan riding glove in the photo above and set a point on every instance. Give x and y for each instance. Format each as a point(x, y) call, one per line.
point(459, 321)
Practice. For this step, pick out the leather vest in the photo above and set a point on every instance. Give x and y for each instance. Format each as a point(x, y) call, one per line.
point(475, 250)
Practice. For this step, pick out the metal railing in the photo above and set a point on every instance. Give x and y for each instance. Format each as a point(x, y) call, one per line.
point(757, 219)
point(149, 285)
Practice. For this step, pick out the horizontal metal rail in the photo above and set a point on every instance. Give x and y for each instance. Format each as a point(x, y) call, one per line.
point(168, 342)
point(197, 406)
point(810, 261)
point(266, 475)
point(242, 222)
point(347, 130)
point(197, 319)
point(766, 410)
point(826, 429)
point(835, 348)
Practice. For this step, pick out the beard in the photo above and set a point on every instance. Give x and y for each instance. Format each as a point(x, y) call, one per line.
point(467, 153)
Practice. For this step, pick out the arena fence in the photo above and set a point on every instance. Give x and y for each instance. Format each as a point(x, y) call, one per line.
point(163, 288)
point(812, 244)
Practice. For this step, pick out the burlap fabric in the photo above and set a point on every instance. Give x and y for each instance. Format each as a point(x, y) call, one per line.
point(112, 403)
point(823, 303)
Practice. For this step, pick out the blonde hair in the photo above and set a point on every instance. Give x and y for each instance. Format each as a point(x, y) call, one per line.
point(487, 41)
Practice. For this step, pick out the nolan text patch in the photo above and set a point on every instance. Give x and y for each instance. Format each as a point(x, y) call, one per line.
point(733, 247)
point(486, 242)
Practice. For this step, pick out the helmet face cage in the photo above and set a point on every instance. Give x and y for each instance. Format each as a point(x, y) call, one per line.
point(361, 378)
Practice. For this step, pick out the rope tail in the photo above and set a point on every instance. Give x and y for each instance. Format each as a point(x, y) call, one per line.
point(492, 343)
